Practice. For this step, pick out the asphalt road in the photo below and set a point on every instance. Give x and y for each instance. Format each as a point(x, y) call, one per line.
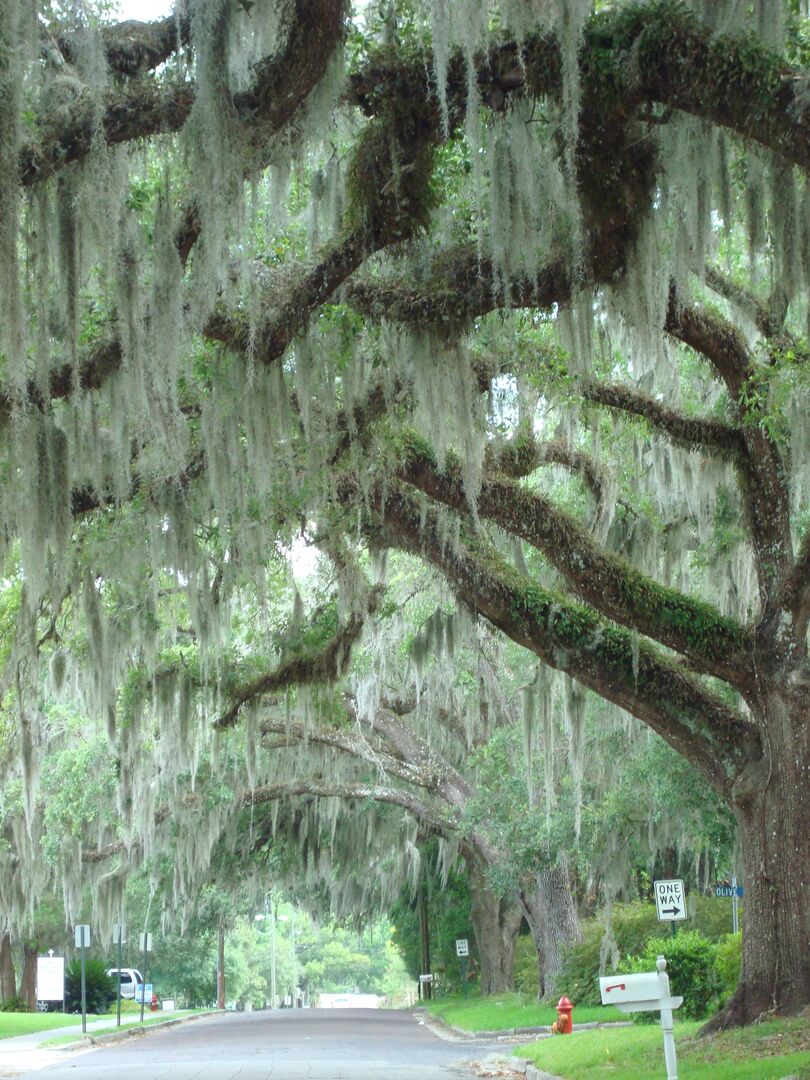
point(307, 1044)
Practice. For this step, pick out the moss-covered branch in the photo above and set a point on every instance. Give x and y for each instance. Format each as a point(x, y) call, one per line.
point(319, 654)
point(573, 638)
point(714, 643)
point(691, 432)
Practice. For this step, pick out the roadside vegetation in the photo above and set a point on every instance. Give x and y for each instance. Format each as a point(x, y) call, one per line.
point(772, 1050)
point(500, 1012)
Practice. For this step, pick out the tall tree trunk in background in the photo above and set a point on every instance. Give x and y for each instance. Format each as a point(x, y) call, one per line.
point(551, 913)
point(496, 921)
point(772, 802)
point(221, 967)
point(8, 976)
point(28, 983)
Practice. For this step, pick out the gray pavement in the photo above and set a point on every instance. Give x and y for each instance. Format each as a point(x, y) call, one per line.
point(310, 1044)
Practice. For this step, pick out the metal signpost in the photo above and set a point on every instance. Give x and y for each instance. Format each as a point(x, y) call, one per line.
point(648, 992)
point(735, 891)
point(119, 936)
point(82, 938)
point(463, 952)
point(145, 947)
point(670, 901)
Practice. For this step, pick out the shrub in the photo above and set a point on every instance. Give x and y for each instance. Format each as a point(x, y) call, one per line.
point(691, 968)
point(15, 1003)
point(729, 959)
point(99, 987)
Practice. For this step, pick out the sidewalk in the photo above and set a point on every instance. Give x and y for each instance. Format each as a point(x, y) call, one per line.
point(24, 1053)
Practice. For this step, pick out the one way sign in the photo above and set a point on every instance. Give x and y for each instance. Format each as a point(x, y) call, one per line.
point(670, 900)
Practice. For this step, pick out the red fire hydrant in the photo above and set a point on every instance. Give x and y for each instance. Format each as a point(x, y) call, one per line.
point(565, 1017)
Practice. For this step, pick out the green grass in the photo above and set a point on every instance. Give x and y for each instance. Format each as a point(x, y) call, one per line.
point(500, 1011)
point(767, 1051)
point(126, 1024)
point(12, 1024)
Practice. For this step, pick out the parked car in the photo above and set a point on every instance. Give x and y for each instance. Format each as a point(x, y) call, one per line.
point(130, 978)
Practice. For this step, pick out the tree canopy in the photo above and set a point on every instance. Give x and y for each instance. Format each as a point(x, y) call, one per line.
point(508, 300)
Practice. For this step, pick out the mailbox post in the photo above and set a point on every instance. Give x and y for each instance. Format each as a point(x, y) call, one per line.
point(647, 992)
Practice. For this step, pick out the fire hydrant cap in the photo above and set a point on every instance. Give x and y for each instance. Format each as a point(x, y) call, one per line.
point(565, 1004)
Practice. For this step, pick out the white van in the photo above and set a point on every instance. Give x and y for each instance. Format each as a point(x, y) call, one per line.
point(130, 978)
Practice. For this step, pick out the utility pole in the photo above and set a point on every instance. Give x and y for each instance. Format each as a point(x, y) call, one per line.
point(424, 929)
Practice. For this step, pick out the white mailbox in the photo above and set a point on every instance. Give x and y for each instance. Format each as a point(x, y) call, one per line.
point(646, 992)
point(636, 993)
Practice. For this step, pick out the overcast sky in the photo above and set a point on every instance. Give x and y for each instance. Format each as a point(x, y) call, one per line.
point(144, 9)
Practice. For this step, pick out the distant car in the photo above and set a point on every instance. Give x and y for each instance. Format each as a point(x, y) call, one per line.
point(130, 978)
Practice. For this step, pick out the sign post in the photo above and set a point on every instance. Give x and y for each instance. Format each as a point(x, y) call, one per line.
point(647, 992)
point(119, 936)
point(82, 938)
point(146, 947)
point(670, 901)
point(463, 952)
point(735, 891)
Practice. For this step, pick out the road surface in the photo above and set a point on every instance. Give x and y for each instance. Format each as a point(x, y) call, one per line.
point(306, 1044)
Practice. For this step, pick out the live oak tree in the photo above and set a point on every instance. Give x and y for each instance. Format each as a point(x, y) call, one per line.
point(250, 292)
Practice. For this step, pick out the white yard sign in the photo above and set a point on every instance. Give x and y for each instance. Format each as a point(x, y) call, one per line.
point(670, 900)
point(50, 978)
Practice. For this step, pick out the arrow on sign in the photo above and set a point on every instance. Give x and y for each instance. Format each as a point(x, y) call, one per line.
point(670, 910)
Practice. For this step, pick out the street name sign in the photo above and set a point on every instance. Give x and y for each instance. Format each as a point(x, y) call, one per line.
point(670, 900)
point(82, 936)
point(728, 890)
point(462, 947)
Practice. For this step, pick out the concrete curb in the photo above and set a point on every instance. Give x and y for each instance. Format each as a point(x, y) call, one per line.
point(511, 1033)
point(84, 1041)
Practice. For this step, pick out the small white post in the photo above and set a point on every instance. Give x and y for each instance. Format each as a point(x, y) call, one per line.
point(667, 1025)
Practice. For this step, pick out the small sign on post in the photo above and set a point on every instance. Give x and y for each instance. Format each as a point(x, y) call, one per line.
point(82, 939)
point(119, 936)
point(146, 947)
point(646, 992)
point(670, 901)
point(462, 952)
point(735, 891)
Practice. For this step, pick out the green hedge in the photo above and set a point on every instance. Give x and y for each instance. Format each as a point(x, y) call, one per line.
point(691, 966)
point(635, 928)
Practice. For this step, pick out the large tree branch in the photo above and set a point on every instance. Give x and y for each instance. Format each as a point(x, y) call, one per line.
point(571, 638)
point(148, 106)
point(714, 643)
point(323, 662)
point(691, 432)
point(134, 47)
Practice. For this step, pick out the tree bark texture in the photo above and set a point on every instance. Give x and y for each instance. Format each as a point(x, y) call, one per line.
point(8, 976)
point(553, 922)
point(773, 811)
point(496, 921)
point(28, 983)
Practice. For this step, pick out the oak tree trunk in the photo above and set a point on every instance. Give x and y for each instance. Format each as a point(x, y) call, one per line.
point(496, 921)
point(28, 983)
point(551, 914)
point(8, 976)
point(773, 811)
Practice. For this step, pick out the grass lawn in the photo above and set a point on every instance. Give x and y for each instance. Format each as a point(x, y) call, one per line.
point(126, 1023)
point(24, 1023)
point(767, 1051)
point(501, 1011)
